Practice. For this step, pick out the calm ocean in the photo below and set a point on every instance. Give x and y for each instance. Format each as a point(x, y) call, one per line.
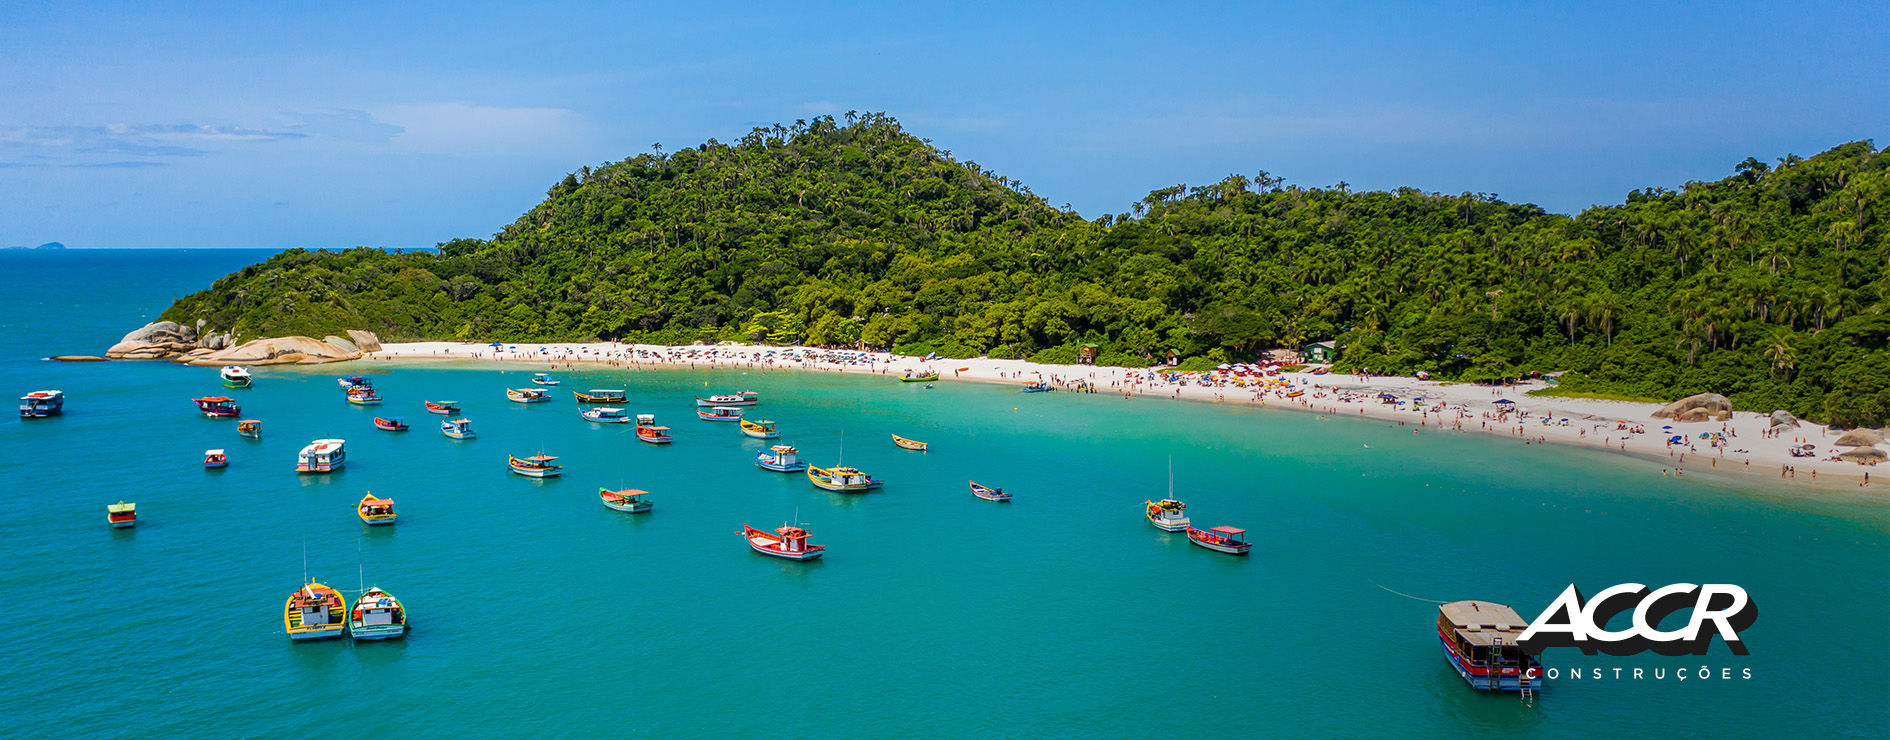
point(537, 612)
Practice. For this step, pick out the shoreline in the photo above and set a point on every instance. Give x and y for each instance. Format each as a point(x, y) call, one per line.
point(1450, 407)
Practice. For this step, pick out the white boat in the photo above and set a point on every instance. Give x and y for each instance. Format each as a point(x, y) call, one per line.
point(235, 376)
point(321, 456)
point(605, 415)
point(729, 399)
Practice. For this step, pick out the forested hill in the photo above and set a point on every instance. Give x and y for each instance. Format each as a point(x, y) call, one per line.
point(1767, 285)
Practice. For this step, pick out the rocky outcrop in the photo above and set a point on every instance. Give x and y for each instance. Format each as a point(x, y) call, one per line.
point(1864, 455)
point(167, 340)
point(1783, 419)
point(1703, 407)
point(76, 358)
point(1860, 438)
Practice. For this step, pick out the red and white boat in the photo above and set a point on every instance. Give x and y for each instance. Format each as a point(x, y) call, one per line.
point(218, 406)
point(215, 459)
point(745, 398)
point(788, 542)
point(1230, 540)
point(648, 431)
point(442, 407)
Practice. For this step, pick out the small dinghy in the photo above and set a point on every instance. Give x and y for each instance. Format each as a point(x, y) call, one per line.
point(909, 444)
point(526, 395)
point(213, 459)
point(396, 424)
point(545, 379)
point(250, 428)
point(988, 493)
point(762, 429)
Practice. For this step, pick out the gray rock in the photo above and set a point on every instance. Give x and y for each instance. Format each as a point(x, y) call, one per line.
point(343, 344)
point(1711, 407)
point(1783, 418)
point(1865, 455)
point(1860, 438)
point(368, 341)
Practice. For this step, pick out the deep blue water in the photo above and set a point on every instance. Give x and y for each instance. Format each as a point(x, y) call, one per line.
point(538, 612)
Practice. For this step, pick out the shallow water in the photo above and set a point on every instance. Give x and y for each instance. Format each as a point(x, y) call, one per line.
point(537, 611)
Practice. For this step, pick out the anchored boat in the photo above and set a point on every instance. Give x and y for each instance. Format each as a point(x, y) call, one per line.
point(780, 458)
point(908, 444)
point(545, 379)
point(761, 429)
point(526, 395)
point(41, 404)
point(912, 376)
point(720, 413)
point(844, 480)
point(442, 407)
point(364, 396)
point(217, 407)
point(605, 415)
point(314, 612)
point(375, 511)
point(1166, 514)
point(648, 431)
point(215, 459)
point(396, 424)
point(250, 428)
point(1479, 639)
point(1230, 540)
point(787, 541)
point(536, 466)
point(601, 395)
point(1038, 387)
point(321, 456)
point(235, 377)
point(988, 493)
point(730, 399)
point(629, 499)
point(457, 429)
point(377, 615)
point(121, 515)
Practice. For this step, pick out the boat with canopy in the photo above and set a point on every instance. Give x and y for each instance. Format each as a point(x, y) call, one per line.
point(545, 379)
point(457, 429)
point(377, 615)
point(1230, 540)
point(761, 429)
point(536, 466)
point(314, 612)
point(648, 431)
point(375, 511)
point(250, 428)
point(605, 415)
point(780, 459)
point(526, 395)
point(442, 407)
point(720, 413)
point(396, 424)
point(217, 407)
point(1479, 640)
point(630, 499)
point(121, 515)
point(213, 459)
point(787, 541)
point(41, 404)
point(235, 377)
point(601, 395)
point(322, 456)
point(729, 399)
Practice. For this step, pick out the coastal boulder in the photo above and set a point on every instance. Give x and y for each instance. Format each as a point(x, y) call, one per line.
point(154, 341)
point(1783, 418)
point(368, 341)
point(342, 344)
point(1860, 438)
point(1863, 455)
point(1702, 407)
point(278, 351)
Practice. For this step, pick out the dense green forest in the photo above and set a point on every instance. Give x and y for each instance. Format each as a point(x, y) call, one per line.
point(1767, 285)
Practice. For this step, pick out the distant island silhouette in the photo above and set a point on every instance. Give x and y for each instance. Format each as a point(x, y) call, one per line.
point(47, 245)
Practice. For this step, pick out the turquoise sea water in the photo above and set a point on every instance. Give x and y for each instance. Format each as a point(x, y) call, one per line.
point(538, 612)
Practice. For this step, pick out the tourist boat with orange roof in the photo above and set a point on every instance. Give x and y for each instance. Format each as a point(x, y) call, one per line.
point(375, 511)
point(121, 515)
point(250, 428)
point(1230, 540)
point(988, 493)
point(314, 612)
point(214, 459)
point(648, 431)
point(1479, 640)
point(786, 541)
point(217, 407)
point(630, 499)
point(536, 466)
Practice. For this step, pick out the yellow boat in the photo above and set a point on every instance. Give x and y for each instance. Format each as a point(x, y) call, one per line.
point(914, 377)
point(601, 395)
point(314, 612)
point(908, 444)
point(375, 510)
point(762, 429)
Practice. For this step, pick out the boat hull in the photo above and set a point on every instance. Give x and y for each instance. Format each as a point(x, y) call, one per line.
point(325, 633)
point(1169, 526)
point(655, 440)
point(770, 434)
point(536, 473)
point(1231, 549)
point(793, 467)
point(713, 417)
point(123, 525)
point(811, 553)
point(378, 632)
point(456, 435)
point(704, 402)
point(378, 521)
point(1485, 678)
point(638, 508)
point(228, 383)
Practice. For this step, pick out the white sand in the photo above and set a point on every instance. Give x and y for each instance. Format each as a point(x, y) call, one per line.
point(1448, 407)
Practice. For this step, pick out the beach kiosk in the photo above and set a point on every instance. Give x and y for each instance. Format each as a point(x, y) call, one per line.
point(1319, 353)
point(1086, 354)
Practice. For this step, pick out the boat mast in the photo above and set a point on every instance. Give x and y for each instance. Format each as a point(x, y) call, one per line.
point(1171, 477)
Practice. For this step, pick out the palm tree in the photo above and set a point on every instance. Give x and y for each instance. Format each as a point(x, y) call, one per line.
point(1779, 351)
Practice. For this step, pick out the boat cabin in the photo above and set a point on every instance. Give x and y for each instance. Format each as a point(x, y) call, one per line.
point(41, 404)
point(1479, 639)
point(375, 510)
point(122, 515)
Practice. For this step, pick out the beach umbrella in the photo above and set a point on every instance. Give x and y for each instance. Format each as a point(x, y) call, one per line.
point(1224, 366)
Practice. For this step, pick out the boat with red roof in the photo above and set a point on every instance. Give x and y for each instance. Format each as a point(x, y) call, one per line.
point(217, 407)
point(1230, 540)
point(786, 541)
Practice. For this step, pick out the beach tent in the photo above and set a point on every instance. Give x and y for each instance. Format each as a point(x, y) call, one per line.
point(1505, 402)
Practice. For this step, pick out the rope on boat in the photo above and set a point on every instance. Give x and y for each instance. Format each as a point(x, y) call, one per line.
point(1408, 596)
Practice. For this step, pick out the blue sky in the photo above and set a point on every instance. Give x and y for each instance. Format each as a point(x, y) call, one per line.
point(247, 125)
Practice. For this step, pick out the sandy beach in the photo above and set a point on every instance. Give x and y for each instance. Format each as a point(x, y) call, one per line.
point(1620, 427)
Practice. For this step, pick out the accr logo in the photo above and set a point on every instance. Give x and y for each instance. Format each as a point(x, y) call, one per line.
point(1576, 621)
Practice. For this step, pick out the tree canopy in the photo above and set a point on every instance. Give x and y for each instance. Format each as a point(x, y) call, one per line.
point(1767, 285)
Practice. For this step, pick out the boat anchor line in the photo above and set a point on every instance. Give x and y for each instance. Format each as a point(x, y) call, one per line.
point(1408, 596)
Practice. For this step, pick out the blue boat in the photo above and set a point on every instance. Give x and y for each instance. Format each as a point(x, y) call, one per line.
point(41, 404)
point(545, 379)
point(1038, 387)
point(457, 429)
point(781, 461)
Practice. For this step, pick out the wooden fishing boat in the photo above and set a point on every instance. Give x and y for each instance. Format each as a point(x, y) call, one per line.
point(720, 413)
point(1168, 515)
point(442, 407)
point(235, 377)
point(250, 428)
point(1479, 639)
point(214, 459)
point(648, 431)
point(314, 612)
point(780, 459)
point(843, 480)
point(396, 424)
point(988, 493)
point(41, 404)
point(629, 499)
point(908, 444)
point(364, 396)
point(1230, 540)
point(121, 515)
point(457, 429)
point(322, 456)
point(787, 541)
point(354, 381)
point(605, 415)
point(729, 399)
point(1038, 387)
point(536, 466)
point(601, 395)
point(377, 615)
point(762, 429)
point(217, 407)
point(913, 376)
point(526, 395)
point(545, 379)
point(375, 511)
